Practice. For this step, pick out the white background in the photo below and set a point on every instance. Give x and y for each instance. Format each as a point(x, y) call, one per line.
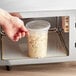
point(37, 5)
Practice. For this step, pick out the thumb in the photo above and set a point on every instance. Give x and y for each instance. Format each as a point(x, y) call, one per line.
point(23, 28)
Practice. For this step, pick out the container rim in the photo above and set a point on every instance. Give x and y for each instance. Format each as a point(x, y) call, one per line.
point(40, 29)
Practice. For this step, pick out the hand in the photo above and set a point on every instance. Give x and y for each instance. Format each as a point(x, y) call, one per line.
point(15, 29)
point(12, 26)
point(16, 14)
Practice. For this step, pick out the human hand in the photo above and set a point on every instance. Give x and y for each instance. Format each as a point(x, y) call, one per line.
point(12, 26)
point(16, 14)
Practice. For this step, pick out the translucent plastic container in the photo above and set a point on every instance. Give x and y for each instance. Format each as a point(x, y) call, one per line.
point(37, 38)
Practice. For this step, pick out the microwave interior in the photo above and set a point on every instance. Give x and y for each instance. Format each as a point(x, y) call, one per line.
point(58, 40)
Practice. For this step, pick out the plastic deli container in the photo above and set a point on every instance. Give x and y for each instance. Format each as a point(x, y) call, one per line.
point(37, 38)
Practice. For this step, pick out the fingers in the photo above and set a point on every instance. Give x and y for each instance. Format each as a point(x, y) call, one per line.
point(23, 29)
point(23, 34)
point(16, 38)
point(19, 35)
point(16, 14)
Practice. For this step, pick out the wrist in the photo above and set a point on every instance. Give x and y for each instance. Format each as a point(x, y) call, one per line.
point(4, 17)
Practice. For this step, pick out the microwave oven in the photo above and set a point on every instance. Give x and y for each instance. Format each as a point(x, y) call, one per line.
point(61, 39)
